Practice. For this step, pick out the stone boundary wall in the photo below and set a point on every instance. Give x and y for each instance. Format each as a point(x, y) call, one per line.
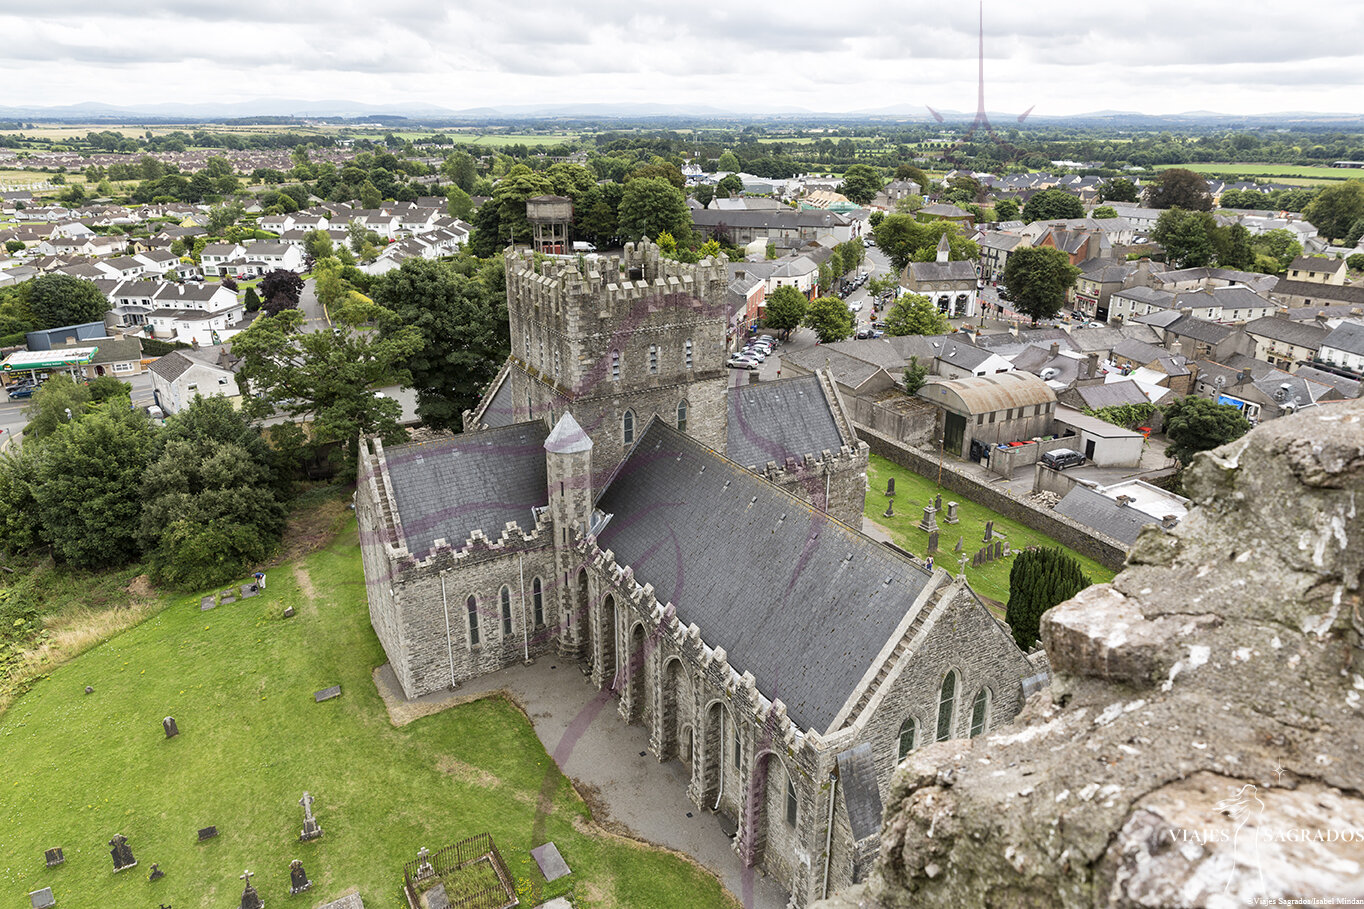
point(1105, 550)
point(1004, 460)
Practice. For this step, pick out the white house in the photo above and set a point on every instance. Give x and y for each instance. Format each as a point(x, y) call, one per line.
point(215, 257)
point(181, 374)
point(1344, 346)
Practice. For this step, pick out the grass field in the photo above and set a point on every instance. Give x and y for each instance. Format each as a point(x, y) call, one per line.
point(239, 681)
point(913, 492)
point(501, 140)
point(1294, 173)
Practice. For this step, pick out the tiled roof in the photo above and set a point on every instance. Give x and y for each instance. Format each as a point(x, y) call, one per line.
point(789, 418)
point(1098, 511)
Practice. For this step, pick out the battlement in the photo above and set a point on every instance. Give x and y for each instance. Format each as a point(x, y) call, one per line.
point(812, 464)
point(477, 546)
point(610, 284)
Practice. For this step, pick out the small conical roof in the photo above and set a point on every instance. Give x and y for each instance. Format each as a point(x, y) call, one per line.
point(567, 437)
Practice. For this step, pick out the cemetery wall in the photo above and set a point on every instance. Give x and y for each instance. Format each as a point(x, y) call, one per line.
point(1104, 550)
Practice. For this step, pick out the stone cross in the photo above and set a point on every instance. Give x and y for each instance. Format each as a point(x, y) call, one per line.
point(961, 565)
point(424, 869)
point(250, 898)
point(311, 830)
point(156, 874)
point(937, 502)
point(890, 508)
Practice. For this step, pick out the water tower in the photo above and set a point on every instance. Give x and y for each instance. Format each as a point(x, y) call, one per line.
point(550, 218)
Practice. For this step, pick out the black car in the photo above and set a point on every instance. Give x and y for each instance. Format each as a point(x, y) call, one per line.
point(1061, 458)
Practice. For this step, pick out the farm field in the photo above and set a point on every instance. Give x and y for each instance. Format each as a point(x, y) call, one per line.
point(1297, 173)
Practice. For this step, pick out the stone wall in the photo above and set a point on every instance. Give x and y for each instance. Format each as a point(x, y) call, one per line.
point(1104, 550)
point(1202, 743)
point(1003, 461)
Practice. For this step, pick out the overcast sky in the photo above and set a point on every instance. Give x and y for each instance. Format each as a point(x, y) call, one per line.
point(1156, 56)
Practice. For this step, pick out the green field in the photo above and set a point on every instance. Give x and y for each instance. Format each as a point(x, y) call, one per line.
point(501, 140)
point(1282, 173)
point(913, 492)
point(239, 680)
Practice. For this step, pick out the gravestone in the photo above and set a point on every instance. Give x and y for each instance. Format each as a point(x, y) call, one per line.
point(311, 830)
point(227, 601)
point(207, 833)
point(989, 531)
point(168, 724)
point(957, 548)
point(424, 869)
point(951, 513)
point(890, 486)
point(156, 874)
point(298, 878)
point(937, 502)
point(122, 853)
point(929, 522)
point(42, 899)
point(326, 694)
point(54, 857)
point(933, 541)
point(289, 612)
point(1007, 551)
point(207, 603)
point(997, 550)
point(436, 898)
point(890, 509)
point(552, 864)
point(250, 898)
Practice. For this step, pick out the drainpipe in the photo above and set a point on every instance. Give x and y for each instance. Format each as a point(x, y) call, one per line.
point(525, 630)
point(449, 642)
point(721, 763)
point(829, 837)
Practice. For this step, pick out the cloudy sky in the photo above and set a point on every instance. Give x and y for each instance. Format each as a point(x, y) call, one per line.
point(1156, 56)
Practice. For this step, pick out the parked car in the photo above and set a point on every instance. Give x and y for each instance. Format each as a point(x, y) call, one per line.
point(1061, 458)
point(741, 362)
point(855, 306)
point(21, 390)
point(868, 242)
point(869, 332)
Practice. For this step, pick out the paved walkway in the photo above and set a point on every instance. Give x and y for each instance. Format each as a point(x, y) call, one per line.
point(594, 747)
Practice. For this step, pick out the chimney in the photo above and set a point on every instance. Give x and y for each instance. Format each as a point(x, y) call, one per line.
point(1168, 522)
point(1244, 377)
point(1092, 366)
point(1124, 501)
point(1055, 348)
point(1281, 314)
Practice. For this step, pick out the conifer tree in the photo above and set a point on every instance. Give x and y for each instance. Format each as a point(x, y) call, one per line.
point(1038, 580)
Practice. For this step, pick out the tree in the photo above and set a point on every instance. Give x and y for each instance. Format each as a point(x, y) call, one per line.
point(831, 319)
point(1355, 262)
point(252, 301)
point(210, 503)
point(87, 493)
point(729, 162)
point(463, 327)
point(327, 376)
point(1194, 424)
point(916, 374)
point(703, 194)
point(57, 401)
point(1186, 236)
point(1336, 208)
point(108, 388)
point(459, 168)
point(14, 246)
point(1236, 251)
point(221, 217)
point(729, 186)
point(651, 206)
point(20, 528)
point(280, 289)
point(317, 244)
point(906, 240)
point(1104, 211)
point(1179, 188)
point(1006, 210)
point(875, 218)
point(57, 300)
point(915, 314)
point(1052, 205)
point(1279, 244)
point(861, 183)
point(1119, 189)
point(1038, 278)
point(458, 204)
point(784, 311)
point(1038, 580)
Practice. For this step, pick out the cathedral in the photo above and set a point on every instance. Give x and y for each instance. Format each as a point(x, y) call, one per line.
point(696, 549)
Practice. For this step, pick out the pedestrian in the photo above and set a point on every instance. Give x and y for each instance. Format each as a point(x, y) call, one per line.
point(930, 563)
point(260, 580)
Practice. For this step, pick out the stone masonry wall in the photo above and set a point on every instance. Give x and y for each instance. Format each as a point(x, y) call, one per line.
point(1104, 550)
point(1202, 743)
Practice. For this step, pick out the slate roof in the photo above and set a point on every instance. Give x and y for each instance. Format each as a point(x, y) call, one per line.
point(1139, 351)
point(959, 270)
point(1302, 334)
point(1351, 294)
point(789, 418)
point(761, 572)
point(1316, 265)
point(1097, 511)
point(1200, 330)
point(1149, 295)
point(1348, 336)
point(473, 481)
point(501, 409)
point(964, 355)
point(171, 366)
point(1349, 388)
point(1111, 394)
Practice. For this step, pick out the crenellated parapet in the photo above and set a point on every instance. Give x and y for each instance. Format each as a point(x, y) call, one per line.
point(478, 547)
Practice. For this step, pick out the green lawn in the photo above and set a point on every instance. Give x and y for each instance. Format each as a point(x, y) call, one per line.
point(1306, 173)
point(239, 681)
point(913, 492)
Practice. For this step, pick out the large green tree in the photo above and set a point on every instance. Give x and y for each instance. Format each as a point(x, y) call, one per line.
point(831, 319)
point(1188, 237)
point(20, 528)
point(906, 240)
point(463, 325)
point(728, 162)
point(1194, 424)
point(1006, 210)
point(87, 491)
point(730, 185)
point(1279, 244)
point(1179, 187)
point(1038, 278)
point(1336, 208)
point(1119, 189)
point(1038, 580)
point(57, 300)
point(915, 314)
point(651, 206)
point(57, 401)
point(1053, 205)
point(210, 502)
point(784, 310)
point(861, 183)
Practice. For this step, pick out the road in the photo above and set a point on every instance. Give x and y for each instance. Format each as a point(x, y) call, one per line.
point(13, 417)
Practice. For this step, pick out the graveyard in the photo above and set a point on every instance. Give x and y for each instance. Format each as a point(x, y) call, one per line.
point(187, 762)
point(913, 492)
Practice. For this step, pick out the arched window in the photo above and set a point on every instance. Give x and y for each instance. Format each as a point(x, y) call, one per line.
point(537, 594)
point(542, 362)
point(505, 596)
point(525, 348)
point(907, 730)
point(615, 366)
point(653, 358)
point(472, 605)
point(980, 712)
point(627, 427)
point(947, 706)
point(790, 800)
point(687, 352)
point(682, 415)
point(738, 749)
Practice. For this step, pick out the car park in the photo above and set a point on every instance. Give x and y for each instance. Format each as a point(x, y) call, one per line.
point(20, 390)
point(1061, 458)
point(741, 362)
